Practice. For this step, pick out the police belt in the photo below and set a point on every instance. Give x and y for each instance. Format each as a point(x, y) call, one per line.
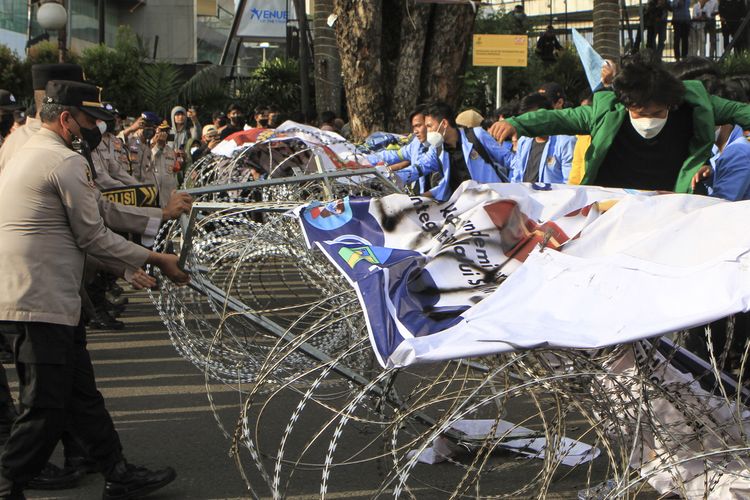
point(140, 195)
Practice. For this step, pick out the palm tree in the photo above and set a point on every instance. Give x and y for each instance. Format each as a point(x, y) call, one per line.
point(606, 28)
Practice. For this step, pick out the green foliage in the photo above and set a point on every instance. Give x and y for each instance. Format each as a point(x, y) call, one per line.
point(116, 70)
point(159, 85)
point(274, 82)
point(480, 82)
point(736, 64)
point(46, 52)
point(208, 90)
point(12, 73)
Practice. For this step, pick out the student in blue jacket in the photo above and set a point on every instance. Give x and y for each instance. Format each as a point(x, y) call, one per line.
point(728, 175)
point(546, 159)
point(456, 154)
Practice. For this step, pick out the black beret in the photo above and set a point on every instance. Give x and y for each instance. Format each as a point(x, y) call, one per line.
point(77, 94)
point(42, 73)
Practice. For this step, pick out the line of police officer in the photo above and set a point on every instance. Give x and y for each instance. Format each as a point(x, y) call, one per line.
point(53, 219)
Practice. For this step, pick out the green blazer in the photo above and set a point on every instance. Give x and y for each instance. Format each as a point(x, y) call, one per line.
point(603, 120)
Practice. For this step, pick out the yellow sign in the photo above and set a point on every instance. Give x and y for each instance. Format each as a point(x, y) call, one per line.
point(501, 50)
point(207, 8)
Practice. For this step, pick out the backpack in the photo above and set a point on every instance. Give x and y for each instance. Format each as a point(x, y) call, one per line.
point(482, 152)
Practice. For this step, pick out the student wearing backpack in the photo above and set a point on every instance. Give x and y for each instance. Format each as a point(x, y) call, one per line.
point(456, 154)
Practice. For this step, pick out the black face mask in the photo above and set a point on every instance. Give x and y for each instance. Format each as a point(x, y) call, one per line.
point(110, 126)
point(148, 133)
point(238, 121)
point(92, 136)
point(263, 123)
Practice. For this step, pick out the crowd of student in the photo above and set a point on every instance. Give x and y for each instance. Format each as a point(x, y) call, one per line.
point(652, 126)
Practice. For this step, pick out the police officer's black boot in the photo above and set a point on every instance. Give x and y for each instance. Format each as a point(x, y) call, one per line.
point(125, 480)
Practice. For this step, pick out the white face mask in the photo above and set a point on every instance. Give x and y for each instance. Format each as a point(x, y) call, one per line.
point(102, 126)
point(717, 133)
point(435, 139)
point(648, 128)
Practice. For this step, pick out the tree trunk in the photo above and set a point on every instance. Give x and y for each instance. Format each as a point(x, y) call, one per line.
point(358, 34)
point(395, 54)
point(450, 33)
point(607, 28)
point(304, 57)
point(327, 61)
point(413, 36)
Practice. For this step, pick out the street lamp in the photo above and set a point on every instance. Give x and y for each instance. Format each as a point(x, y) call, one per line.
point(53, 16)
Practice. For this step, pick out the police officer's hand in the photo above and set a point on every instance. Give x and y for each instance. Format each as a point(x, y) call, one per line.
point(179, 203)
point(167, 262)
point(502, 131)
point(141, 279)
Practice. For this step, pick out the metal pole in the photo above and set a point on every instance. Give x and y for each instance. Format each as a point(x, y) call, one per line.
point(499, 87)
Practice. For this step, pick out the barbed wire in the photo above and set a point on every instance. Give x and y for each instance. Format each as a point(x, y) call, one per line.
point(275, 320)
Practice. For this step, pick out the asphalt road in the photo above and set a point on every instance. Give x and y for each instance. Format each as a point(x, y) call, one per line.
point(159, 405)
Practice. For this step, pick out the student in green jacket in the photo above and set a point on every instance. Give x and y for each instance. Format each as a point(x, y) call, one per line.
point(650, 132)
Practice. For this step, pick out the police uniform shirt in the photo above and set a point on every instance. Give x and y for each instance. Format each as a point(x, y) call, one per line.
point(162, 172)
point(17, 139)
point(49, 220)
point(121, 218)
point(120, 165)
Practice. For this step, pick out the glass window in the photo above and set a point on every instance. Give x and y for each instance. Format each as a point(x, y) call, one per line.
point(84, 20)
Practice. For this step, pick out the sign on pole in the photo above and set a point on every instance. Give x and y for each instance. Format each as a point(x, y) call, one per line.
point(264, 19)
point(501, 50)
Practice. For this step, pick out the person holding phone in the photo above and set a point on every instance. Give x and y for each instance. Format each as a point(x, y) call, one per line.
point(164, 165)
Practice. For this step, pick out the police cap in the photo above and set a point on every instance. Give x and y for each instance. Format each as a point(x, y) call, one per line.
point(79, 95)
point(8, 101)
point(43, 73)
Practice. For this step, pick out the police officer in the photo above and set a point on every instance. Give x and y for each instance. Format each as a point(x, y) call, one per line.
point(49, 221)
point(121, 218)
point(110, 157)
point(164, 167)
point(8, 105)
point(138, 138)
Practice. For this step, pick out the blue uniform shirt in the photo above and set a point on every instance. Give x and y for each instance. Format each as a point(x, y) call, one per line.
point(731, 179)
point(480, 171)
point(556, 161)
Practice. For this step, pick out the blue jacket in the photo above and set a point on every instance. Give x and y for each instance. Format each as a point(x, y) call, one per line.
point(731, 179)
point(480, 171)
point(391, 156)
point(556, 161)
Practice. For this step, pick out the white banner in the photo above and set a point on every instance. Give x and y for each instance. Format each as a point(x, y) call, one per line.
point(264, 19)
point(506, 267)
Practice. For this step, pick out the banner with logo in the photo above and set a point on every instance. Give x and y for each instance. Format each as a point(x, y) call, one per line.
point(264, 19)
point(515, 266)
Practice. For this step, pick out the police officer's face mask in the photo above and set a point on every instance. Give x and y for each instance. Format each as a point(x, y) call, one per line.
point(92, 136)
point(149, 133)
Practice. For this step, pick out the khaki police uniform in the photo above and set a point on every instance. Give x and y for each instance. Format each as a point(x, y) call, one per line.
point(49, 220)
point(120, 218)
point(162, 172)
point(107, 159)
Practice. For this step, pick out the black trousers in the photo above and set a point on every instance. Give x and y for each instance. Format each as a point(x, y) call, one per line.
point(681, 36)
point(57, 392)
